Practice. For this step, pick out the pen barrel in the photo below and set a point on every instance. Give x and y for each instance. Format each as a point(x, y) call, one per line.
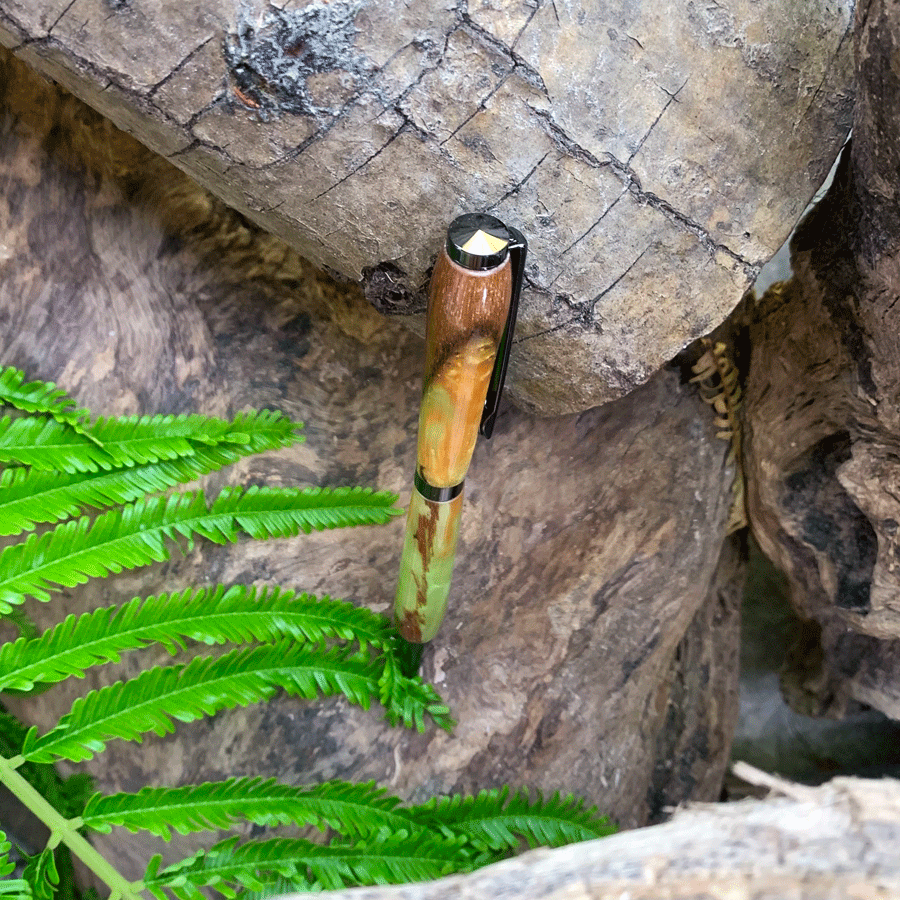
point(426, 567)
point(467, 312)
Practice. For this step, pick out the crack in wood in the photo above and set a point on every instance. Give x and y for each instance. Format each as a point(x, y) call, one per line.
point(178, 67)
point(673, 98)
point(58, 19)
point(519, 185)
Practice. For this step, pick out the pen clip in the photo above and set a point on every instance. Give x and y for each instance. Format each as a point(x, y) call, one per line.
point(518, 248)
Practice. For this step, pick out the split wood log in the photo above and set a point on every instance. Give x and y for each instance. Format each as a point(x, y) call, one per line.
point(823, 422)
point(591, 643)
point(655, 153)
point(835, 842)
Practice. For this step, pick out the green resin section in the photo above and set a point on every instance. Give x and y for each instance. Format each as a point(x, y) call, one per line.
point(426, 568)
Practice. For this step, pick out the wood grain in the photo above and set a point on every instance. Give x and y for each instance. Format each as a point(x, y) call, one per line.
point(467, 312)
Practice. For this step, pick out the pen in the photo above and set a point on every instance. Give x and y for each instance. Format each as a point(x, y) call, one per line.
point(472, 304)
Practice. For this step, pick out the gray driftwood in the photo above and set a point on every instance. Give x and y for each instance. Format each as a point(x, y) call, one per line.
point(823, 427)
point(655, 153)
point(591, 644)
point(835, 842)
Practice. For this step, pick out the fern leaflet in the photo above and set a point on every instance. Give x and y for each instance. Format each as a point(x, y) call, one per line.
point(31, 496)
point(136, 535)
point(39, 396)
point(6, 864)
point(41, 875)
point(108, 444)
point(149, 702)
point(356, 810)
point(215, 615)
point(392, 860)
point(492, 820)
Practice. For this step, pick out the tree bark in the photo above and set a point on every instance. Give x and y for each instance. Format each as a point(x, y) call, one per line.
point(651, 192)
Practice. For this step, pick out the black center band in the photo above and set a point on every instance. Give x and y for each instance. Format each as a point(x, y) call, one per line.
point(436, 494)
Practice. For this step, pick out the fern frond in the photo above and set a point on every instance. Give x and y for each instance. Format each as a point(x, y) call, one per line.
point(67, 795)
point(41, 875)
point(395, 859)
point(30, 496)
point(494, 820)
point(408, 699)
point(39, 397)
point(355, 810)
point(49, 444)
point(214, 615)
point(16, 888)
point(202, 687)
point(6, 864)
point(137, 535)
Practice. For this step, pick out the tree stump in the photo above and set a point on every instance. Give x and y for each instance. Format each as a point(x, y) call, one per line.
point(651, 189)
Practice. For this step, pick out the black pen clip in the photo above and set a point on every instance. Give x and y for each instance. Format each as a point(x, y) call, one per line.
point(518, 248)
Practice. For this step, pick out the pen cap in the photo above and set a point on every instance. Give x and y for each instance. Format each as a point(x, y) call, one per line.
point(468, 310)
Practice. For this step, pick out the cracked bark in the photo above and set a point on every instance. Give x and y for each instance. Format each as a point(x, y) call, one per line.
point(530, 148)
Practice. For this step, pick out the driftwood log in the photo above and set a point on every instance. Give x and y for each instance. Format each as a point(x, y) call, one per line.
point(591, 644)
point(835, 842)
point(655, 153)
point(822, 421)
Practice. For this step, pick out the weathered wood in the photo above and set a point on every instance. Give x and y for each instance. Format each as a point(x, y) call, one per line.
point(835, 842)
point(592, 638)
point(822, 414)
point(655, 153)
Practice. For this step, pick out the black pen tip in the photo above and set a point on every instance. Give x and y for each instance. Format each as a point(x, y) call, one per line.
point(410, 656)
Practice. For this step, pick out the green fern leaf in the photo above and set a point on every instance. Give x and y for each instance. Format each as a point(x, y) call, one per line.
point(214, 615)
point(394, 859)
point(41, 875)
point(355, 810)
point(494, 820)
point(149, 702)
point(38, 396)
point(7, 866)
point(136, 535)
point(108, 444)
point(407, 700)
point(67, 795)
point(49, 444)
point(29, 496)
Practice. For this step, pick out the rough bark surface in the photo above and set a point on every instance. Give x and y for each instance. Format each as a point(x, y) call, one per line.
point(822, 414)
point(591, 644)
point(651, 188)
point(835, 842)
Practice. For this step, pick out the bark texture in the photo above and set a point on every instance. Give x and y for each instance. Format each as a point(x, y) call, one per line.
point(822, 415)
point(356, 129)
point(592, 638)
point(836, 842)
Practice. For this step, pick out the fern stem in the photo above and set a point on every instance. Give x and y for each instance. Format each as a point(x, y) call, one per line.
point(65, 830)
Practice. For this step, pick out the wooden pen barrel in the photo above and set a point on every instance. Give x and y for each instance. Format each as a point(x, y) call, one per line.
point(467, 313)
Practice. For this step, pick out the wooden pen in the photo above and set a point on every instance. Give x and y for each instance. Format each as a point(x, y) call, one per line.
point(472, 303)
